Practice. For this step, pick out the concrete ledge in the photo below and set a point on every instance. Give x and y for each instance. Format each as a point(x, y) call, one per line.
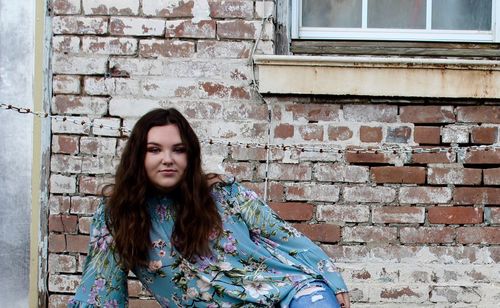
point(379, 76)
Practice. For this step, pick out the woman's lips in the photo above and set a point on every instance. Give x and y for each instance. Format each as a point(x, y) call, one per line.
point(168, 172)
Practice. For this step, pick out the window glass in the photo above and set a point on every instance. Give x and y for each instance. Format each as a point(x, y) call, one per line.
point(461, 14)
point(396, 14)
point(331, 13)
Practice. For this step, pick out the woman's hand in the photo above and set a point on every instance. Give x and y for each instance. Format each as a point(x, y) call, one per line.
point(343, 299)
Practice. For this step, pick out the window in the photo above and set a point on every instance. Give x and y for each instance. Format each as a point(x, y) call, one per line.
point(402, 20)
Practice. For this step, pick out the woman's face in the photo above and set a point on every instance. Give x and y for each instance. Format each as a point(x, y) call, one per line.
point(166, 157)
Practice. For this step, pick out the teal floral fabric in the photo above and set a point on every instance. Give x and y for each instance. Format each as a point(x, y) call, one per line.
point(258, 261)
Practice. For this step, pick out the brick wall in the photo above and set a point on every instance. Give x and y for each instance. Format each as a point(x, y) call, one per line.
point(412, 228)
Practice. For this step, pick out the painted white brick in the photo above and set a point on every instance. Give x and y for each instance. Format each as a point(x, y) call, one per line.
point(60, 184)
point(106, 127)
point(131, 107)
point(66, 43)
point(97, 145)
point(79, 25)
point(109, 45)
point(312, 192)
point(70, 125)
point(138, 66)
point(110, 7)
point(264, 9)
point(79, 65)
point(66, 84)
point(63, 283)
point(455, 134)
point(137, 26)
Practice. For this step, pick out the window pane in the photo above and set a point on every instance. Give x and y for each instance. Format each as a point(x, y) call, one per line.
point(396, 14)
point(331, 13)
point(461, 14)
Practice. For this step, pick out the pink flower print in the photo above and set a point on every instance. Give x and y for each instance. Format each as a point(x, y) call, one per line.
point(229, 247)
point(162, 253)
point(100, 283)
point(162, 212)
point(155, 265)
point(111, 304)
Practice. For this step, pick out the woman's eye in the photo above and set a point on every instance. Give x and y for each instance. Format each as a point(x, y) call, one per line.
point(153, 150)
point(180, 149)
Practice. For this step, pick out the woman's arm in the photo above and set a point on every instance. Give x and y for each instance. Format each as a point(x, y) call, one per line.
point(104, 282)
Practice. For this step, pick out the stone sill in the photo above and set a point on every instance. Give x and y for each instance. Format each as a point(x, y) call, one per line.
point(378, 76)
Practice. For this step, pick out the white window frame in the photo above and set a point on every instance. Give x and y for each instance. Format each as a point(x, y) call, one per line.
point(363, 33)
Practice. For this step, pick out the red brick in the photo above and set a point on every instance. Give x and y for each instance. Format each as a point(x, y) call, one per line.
point(186, 28)
point(477, 195)
point(168, 8)
point(165, 48)
point(136, 289)
point(339, 133)
point(354, 157)
point(77, 243)
point(491, 176)
point(404, 175)
point(63, 223)
point(399, 214)
point(311, 132)
point(219, 90)
point(66, 7)
point(325, 233)
point(484, 135)
point(65, 144)
point(427, 114)
point(367, 234)
point(287, 172)
point(343, 213)
point(57, 242)
point(401, 134)
point(482, 157)
point(455, 215)
point(427, 235)
point(370, 134)
point(84, 225)
point(59, 301)
point(424, 195)
point(283, 131)
point(370, 113)
point(241, 170)
point(478, 235)
point(275, 190)
point(478, 114)
point(231, 9)
point(314, 112)
point(237, 29)
point(293, 210)
point(427, 135)
point(223, 49)
point(494, 215)
point(460, 176)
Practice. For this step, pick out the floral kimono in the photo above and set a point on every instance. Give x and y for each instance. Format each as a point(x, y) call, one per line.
point(258, 261)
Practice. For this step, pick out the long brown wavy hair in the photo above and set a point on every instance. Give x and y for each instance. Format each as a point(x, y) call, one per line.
point(196, 215)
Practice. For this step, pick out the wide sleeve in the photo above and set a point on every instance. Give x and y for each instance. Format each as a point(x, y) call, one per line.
point(104, 282)
point(277, 233)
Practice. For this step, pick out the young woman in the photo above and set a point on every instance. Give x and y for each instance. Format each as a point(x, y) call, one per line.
point(195, 240)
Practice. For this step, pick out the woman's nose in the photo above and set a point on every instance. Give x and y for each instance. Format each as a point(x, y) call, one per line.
point(167, 158)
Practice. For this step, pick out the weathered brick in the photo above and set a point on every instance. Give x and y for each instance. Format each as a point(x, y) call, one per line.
point(264, 9)
point(455, 215)
point(242, 29)
point(79, 25)
point(110, 7)
point(404, 175)
point(231, 9)
point(138, 66)
point(60, 184)
point(59, 205)
point(66, 7)
point(370, 134)
point(433, 158)
point(65, 163)
point(481, 157)
point(111, 86)
point(84, 205)
point(84, 225)
point(275, 190)
point(478, 114)
point(66, 84)
point(65, 44)
point(369, 234)
point(456, 175)
point(453, 294)
point(61, 263)
point(69, 104)
point(293, 210)
point(70, 125)
point(455, 134)
point(370, 113)
point(136, 289)
point(312, 192)
point(79, 65)
point(65, 144)
point(109, 45)
point(491, 176)
point(136, 26)
point(59, 301)
point(77, 243)
point(328, 172)
point(223, 49)
point(478, 235)
point(57, 242)
point(369, 194)
point(403, 294)
point(93, 185)
point(286, 172)
point(494, 216)
point(343, 213)
point(399, 214)
point(63, 283)
point(484, 135)
point(355, 157)
point(144, 303)
point(314, 112)
point(241, 170)
point(339, 133)
point(311, 132)
point(424, 195)
point(427, 235)
point(190, 29)
point(165, 48)
point(98, 145)
point(325, 233)
point(98, 165)
point(427, 114)
point(106, 127)
point(476, 195)
point(427, 134)
point(398, 134)
point(168, 8)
